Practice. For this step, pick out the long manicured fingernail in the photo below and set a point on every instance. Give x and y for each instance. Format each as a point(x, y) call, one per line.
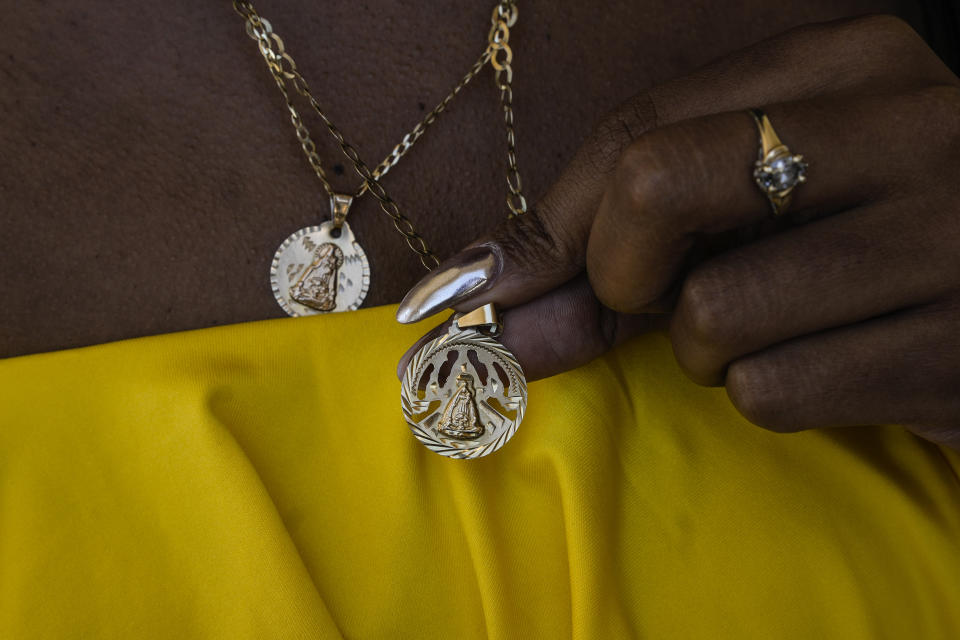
point(457, 279)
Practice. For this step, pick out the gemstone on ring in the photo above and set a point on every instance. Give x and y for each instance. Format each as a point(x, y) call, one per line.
point(777, 172)
point(780, 171)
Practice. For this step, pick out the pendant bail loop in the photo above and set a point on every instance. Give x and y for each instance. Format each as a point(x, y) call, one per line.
point(339, 208)
point(484, 318)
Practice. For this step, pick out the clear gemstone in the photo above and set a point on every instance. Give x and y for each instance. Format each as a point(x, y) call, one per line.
point(781, 173)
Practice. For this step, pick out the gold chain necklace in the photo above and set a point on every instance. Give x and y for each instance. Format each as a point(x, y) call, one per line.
point(299, 297)
point(322, 268)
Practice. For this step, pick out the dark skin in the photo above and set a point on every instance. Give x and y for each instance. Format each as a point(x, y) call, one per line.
point(149, 173)
point(845, 313)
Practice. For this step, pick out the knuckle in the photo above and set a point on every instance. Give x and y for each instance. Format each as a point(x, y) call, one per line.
point(707, 313)
point(535, 241)
point(756, 390)
point(643, 178)
point(887, 42)
point(876, 34)
point(618, 129)
point(940, 104)
point(608, 140)
point(886, 26)
point(659, 178)
point(634, 214)
point(875, 45)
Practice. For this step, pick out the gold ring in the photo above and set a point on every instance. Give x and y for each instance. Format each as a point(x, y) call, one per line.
point(777, 172)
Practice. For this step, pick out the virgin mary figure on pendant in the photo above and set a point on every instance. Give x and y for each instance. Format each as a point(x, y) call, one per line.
point(317, 287)
point(460, 418)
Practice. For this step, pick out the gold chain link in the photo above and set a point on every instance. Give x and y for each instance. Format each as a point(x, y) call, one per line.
point(411, 138)
point(501, 57)
point(283, 68)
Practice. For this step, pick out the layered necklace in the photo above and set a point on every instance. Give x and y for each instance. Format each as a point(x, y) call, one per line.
point(463, 394)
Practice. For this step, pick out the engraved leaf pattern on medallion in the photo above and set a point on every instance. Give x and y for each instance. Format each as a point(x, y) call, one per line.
point(293, 270)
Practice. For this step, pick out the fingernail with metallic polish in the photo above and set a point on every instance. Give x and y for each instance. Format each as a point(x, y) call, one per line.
point(463, 276)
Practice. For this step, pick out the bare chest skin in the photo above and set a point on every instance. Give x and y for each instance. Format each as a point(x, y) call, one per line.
point(149, 172)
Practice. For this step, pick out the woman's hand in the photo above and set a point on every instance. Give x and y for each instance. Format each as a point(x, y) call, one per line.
point(844, 311)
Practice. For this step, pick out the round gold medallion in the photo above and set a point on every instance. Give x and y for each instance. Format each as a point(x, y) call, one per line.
point(463, 394)
point(315, 271)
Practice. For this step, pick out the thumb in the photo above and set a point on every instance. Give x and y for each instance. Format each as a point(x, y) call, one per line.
point(558, 331)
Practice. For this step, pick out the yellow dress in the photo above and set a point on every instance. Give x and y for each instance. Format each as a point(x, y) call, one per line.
point(258, 481)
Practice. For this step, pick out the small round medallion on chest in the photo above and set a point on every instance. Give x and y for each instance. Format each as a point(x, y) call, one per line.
point(315, 271)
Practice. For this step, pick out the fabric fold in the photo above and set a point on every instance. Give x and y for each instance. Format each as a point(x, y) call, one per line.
point(258, 481)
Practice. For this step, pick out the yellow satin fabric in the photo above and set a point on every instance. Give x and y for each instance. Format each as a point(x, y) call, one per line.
point(258, 481)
